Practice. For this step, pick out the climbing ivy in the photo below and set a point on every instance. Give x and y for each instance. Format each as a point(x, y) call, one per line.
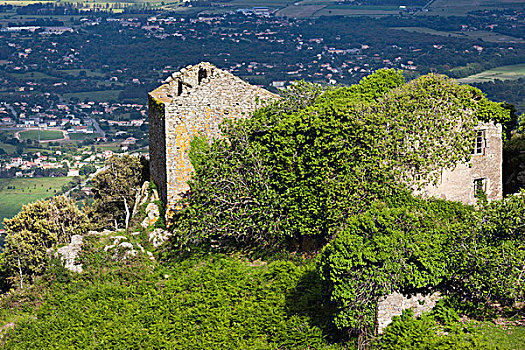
point(405, 248)
point(302, 165)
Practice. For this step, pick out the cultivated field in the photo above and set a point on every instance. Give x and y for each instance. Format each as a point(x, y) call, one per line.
point(96, 96)
point(503, 73)
point(78, 136)
point(300, 11)
point(77, 72)
point(34, 76)
point(16, 192)
point(354, 10)
point(473, 35)
point(463, 7)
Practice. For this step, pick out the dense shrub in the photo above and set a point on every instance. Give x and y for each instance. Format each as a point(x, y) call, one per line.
point(426, 333)
point(213, 302)
point(301, 166)
point(489, 259)
point(387, 249)
point(39, 226)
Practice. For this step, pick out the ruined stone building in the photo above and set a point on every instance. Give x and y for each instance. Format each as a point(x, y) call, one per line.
point(198, 98)
point(193, 101)
point(484, 171)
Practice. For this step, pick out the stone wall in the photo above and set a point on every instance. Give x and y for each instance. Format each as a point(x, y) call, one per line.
point(193, 101)
point(157, 145)
point(458, 184)
point(394, 304)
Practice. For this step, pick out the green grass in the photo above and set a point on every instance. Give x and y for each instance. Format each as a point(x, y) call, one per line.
point(503, 73)
point(32, 76)
point(463, 7)
point(353, 10)
point(214, 302)
point(79, 136)
point(109, 146)
point(8, 148)
point(96, 96)
point(26, 190)
point(300, 11)
point(503, 337)
point(45, 135)
point(76, 72)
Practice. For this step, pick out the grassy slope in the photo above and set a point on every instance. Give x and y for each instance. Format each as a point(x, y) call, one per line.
point(504, 337)
point(26, 190)
point(96, 96)
point(503, 73)
point(78, 136)
point(206, 301)
point(209, 302)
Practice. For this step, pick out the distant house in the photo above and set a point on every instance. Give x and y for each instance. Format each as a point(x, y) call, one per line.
point(129, 141)
point(73, 172)
point(261, 11)
point(56, 30)
point(7, 121)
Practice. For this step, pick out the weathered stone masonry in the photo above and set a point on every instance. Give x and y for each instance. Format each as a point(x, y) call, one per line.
point(193, 101)
point(483, 170)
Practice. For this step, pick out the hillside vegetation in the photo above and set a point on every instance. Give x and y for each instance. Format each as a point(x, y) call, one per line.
point(296, 225)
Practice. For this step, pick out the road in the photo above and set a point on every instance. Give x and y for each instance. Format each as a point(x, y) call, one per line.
point(89, 178)
point(97, 127)
point(8, 106)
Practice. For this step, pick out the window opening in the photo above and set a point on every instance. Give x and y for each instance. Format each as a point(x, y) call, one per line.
point(479, 144)
point(479, 188)
point(179, 88)
point(203, 74)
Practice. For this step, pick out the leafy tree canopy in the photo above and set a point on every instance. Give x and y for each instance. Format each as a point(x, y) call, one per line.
point(115, 189)
point(36, 228)
point(302, 165)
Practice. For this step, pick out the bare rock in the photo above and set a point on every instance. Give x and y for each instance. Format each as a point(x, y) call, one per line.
point(158, 236)
point(69, 253)
point(152, 215)
point(394, 304)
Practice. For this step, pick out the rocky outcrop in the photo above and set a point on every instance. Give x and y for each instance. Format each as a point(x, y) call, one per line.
point(121, 248)
point(147, 196)
point(158, 236)
point(152, 215)
point(69, 253)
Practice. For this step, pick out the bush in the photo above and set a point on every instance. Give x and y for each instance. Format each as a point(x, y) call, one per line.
point(425, 333)
point(385, 250)
point(299, 167)
point(38, 227)
point(489, 259)
point(212, 302)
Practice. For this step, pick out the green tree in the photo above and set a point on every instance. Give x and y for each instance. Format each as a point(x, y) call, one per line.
point(405, 248)
point(87, 169)
point(489, 256)
point(115, 189)
point(38, 227)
